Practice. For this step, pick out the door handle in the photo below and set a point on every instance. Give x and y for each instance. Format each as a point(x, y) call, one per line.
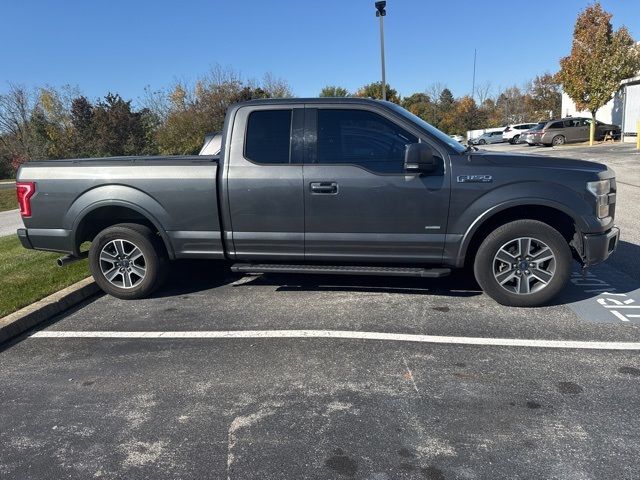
point(330, 188)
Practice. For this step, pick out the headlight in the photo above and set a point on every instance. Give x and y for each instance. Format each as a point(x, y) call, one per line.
point(599, 187)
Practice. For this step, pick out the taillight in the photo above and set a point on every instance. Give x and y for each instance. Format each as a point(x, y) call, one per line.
point(25, 191)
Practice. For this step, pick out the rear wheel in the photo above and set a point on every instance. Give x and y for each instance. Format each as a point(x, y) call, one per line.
point(127, 261)
point(558, 140)
point(514, 140)
point(523, 263)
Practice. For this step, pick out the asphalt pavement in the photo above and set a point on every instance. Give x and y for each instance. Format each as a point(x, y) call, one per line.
point(230, 376)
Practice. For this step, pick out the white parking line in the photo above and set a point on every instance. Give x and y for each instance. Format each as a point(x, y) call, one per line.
point(344, 334)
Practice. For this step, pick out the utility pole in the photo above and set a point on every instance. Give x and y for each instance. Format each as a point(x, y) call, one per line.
point(473, 83)
point(380, 13)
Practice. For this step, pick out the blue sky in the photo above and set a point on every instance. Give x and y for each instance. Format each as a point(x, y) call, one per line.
point(123, 46)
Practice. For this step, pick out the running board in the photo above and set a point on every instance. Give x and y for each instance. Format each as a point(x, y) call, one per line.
point(341, 270)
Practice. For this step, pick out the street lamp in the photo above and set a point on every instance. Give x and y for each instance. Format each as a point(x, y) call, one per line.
point(381, 12)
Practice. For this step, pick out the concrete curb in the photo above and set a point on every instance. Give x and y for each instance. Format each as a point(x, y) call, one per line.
point(28, 317)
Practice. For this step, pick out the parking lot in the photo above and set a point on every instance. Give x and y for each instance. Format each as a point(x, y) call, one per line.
point(221, 375)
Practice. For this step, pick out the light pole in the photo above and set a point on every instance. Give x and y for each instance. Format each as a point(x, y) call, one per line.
point(380, 13)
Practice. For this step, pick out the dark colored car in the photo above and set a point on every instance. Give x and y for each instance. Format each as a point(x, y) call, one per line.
point(327, 186)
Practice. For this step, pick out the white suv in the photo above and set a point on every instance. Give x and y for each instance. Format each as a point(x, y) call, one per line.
point(512, 133)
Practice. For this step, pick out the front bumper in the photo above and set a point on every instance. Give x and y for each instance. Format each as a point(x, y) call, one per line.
point(599, 246)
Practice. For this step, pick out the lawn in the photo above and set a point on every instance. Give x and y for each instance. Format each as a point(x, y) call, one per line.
point(8, 199)
point(26, 276)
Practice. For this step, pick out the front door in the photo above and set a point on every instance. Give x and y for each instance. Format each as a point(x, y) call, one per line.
point(264, 185)
point(360, 204)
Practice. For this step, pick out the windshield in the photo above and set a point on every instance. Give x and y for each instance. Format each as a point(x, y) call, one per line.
point(443, 137)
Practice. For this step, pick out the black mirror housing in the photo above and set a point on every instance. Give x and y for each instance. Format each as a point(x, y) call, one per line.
point(418, 158)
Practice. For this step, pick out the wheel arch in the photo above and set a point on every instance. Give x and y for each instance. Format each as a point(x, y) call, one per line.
point(103, 207)
point(551, 213)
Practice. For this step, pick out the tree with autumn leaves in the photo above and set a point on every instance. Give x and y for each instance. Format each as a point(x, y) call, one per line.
point(600, 59)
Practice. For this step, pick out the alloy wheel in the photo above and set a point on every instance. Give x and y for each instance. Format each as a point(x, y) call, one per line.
point(524, 265)
point(122, 264)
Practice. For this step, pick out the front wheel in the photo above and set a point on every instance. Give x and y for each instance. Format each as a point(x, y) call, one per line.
point(127, 261)
point(482, 142)
point(523, 263)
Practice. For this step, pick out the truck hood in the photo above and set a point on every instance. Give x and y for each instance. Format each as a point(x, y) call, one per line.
point(538, 161)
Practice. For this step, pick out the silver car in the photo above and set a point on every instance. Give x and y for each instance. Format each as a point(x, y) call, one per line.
point(528, 136)
point(488, 137)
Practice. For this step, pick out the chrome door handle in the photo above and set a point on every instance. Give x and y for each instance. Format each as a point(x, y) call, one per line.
point(330, 188)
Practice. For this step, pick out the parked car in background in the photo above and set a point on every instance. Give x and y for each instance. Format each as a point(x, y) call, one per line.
point(458, 138)
point(530, 136)
point(512, 133)
point(488, 137)
point(573, 129)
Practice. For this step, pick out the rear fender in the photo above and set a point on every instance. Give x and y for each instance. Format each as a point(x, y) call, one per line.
point(120, 196)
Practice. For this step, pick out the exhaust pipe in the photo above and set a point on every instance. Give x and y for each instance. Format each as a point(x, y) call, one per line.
point(67, 259)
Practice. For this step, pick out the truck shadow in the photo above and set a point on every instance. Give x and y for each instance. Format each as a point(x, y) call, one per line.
point(192, 276)
point(619, 274)
point(455, 285)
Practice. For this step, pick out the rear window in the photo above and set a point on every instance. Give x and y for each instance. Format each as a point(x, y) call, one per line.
point(268, 138)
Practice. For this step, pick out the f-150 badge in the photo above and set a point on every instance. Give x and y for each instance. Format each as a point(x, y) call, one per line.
point(475, 178)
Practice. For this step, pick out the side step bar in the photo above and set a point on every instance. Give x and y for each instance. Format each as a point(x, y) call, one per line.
point(341, 270)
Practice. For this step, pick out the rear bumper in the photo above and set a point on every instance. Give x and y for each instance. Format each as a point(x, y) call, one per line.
point(598, 247)
point(49, 239)
point(23, 236)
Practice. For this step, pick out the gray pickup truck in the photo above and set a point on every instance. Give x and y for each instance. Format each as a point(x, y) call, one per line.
point(327, 186)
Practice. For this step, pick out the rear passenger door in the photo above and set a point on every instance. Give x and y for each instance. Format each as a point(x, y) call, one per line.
point(264, 184)
point(360, 203)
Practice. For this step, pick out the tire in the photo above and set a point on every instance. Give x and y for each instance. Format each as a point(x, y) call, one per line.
point(558, 140)
point(482, 142)
point(128, 261)
point(514, 140)
point(513, 286)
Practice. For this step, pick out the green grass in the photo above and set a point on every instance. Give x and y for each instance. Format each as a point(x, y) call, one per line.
point(27, 276)
point(8, 199)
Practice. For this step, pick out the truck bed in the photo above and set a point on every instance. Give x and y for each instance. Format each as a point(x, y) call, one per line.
point(177, 194)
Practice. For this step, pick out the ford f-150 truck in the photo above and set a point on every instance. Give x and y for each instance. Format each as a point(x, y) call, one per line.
point(327, 186)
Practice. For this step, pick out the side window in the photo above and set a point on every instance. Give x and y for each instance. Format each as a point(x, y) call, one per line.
point(268, 139)
point(359, 137)
point(556, 125)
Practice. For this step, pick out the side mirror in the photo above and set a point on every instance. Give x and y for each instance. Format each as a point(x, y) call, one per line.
point(418, 158)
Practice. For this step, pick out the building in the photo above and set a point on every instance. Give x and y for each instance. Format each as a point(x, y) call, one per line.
point(623, 109)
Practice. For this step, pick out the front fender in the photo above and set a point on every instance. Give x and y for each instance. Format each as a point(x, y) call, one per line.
point(465, 220)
